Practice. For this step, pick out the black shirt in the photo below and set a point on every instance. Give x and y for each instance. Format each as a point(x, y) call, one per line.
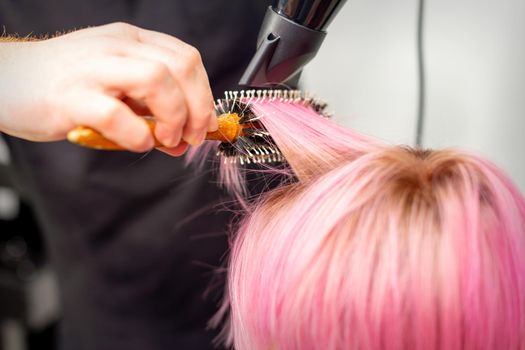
point(135, 238)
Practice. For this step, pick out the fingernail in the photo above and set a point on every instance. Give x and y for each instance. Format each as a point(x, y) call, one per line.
point(144, 142)
point(170, 140)
point(150, 143)
point(196, 139)
point(167, 141)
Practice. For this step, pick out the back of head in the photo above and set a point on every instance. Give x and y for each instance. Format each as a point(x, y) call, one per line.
point(394, 248)
point(372, 246)
point(398, 249)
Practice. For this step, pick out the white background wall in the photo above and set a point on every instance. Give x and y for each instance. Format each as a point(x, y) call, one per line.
point(475, 60)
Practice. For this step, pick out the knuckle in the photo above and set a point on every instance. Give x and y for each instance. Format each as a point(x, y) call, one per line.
point(191, 61)
point(203, 113)
point(177, 106)
point(194, 56)
point(208, 108)
point(122, 26)
point(181, 113)
point(107, 116)
point(200, 121)
point(157, 73)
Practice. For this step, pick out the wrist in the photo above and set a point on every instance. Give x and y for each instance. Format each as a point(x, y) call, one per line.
point(16, 70)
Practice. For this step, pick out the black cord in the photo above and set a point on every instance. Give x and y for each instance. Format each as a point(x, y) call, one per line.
point(421, 74)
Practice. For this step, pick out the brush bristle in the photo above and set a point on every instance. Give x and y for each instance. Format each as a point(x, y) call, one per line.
point(256, 145)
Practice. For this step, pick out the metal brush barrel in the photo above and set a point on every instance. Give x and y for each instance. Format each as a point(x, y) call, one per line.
point(290, 36)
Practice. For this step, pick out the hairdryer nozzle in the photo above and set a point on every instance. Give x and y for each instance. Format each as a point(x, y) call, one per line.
point(290, 36)
point(284, 47)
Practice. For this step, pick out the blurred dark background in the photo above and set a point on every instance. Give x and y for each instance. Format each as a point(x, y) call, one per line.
point(28, 296)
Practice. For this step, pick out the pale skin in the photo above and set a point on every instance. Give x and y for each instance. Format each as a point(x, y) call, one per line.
point(106, 77)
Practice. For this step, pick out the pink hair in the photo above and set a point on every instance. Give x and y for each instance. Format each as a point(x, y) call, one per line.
point(377, 247)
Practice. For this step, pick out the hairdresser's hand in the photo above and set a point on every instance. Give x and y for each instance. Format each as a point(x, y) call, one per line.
point(104, 77)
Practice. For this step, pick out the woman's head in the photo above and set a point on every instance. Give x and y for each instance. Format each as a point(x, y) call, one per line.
point(398, 249)
point(378, 247)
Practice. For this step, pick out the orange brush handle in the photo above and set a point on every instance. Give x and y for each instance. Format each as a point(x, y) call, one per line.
point(228, 131)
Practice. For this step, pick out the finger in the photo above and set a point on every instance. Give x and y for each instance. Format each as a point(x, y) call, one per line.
point(137, 106)
point(151, 82)
point(202, 116)
point(166, 41)
point(176, 151)
point(185, 63)
point(114, 119)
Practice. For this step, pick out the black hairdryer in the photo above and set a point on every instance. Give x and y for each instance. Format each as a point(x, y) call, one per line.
point(290, 36)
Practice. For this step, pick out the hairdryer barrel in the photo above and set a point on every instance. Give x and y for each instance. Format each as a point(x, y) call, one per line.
point(290, 36)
